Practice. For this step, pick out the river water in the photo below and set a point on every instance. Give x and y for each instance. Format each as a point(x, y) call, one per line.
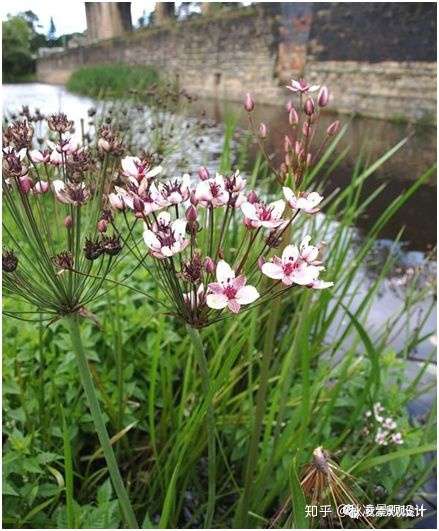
point(418, 216)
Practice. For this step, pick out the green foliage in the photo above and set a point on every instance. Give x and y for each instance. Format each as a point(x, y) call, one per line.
point(323, 371)
point(17, 59)
point(115, 79)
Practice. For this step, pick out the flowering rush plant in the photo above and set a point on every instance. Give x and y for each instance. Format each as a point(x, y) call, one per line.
point(60, 248)
point(206, 270)
point(204, 273)
point(57, 229)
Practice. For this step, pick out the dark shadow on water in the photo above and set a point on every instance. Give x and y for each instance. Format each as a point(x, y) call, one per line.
point(369, 139)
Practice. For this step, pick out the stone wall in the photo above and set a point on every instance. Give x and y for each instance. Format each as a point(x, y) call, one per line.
point(372, 70)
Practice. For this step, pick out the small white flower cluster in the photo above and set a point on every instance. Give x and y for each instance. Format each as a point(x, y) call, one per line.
point(386, 432)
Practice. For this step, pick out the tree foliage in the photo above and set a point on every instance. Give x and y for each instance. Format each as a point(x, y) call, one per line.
point(17, 60)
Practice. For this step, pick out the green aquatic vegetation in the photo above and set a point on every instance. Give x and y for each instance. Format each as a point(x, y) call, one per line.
point(282, 380)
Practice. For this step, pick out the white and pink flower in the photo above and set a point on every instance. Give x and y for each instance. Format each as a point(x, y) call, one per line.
point(229, 291)
point(262, 215)
point(212, 192)
point(166, 237)
point(176, 191)
point(148, 198)
point(302, 87)
point(308, 202)
point(297, 266)
point(137, 169)
point(70, 193)
point(37, 156)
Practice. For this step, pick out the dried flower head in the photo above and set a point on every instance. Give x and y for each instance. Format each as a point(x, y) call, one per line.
point(9, 261)
point(60, 123)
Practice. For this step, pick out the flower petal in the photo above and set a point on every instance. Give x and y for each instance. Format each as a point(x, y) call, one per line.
point(217, 301)
point(290, 253)
point(278, 208)
point(249, 211)
point(272, 270)
point(151, 239)
point(247, 295)
point(224, 272)
point(233, 305)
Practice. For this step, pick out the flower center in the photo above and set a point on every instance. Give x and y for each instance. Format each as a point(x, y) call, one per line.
point(230, 292)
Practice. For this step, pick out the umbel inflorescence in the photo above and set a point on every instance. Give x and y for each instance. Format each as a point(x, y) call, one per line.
point(185, 229)
point(57, 254)
point(205, 268)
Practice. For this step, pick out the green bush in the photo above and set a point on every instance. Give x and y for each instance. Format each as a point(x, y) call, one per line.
point(113, 80)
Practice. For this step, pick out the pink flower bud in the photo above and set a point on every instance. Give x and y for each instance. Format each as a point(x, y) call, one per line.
point(203, 173)
point(309, 107)
point(209, 265)
point(138, 205)
point(249, 104)
point(298, 147)
point(333, 128)
point(193, 199)
point(104, 145)
point(41, 187)
point(288, 160)
point(308, 159)
point(102, 225)
point(116, 201)
point(191, 214)
point(261, 262)
point(287, 143)
point(306, 129)
point(262, 130)
point(289, 106)
point(293, 117)
point(252, 197)
point(68, 222)
point(323, 97)
point(25, 184)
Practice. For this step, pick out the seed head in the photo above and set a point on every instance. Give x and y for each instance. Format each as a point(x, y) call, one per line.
point(111, 245)
point(63, 260)
point(92, 249)
point(59, 123)
point(9, 261)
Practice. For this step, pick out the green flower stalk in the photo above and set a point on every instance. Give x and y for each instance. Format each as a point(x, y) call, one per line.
point(59, 249)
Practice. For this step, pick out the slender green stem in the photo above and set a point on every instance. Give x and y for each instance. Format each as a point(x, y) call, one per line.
point(89, 389)
point(267, 356)
point(211, 465)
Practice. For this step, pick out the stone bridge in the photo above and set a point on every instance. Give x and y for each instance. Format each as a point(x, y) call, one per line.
point(378, 58)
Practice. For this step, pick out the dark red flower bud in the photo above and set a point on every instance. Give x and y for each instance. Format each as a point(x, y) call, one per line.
point(252, 197)
point(138, 204)
point(191, 214)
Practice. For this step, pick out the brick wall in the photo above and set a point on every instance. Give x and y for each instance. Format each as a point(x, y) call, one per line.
point(374, 57)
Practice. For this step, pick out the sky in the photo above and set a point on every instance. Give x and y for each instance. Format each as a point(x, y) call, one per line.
point(68, 16)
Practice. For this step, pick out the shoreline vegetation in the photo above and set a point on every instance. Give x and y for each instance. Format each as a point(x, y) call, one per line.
point(118, 79)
